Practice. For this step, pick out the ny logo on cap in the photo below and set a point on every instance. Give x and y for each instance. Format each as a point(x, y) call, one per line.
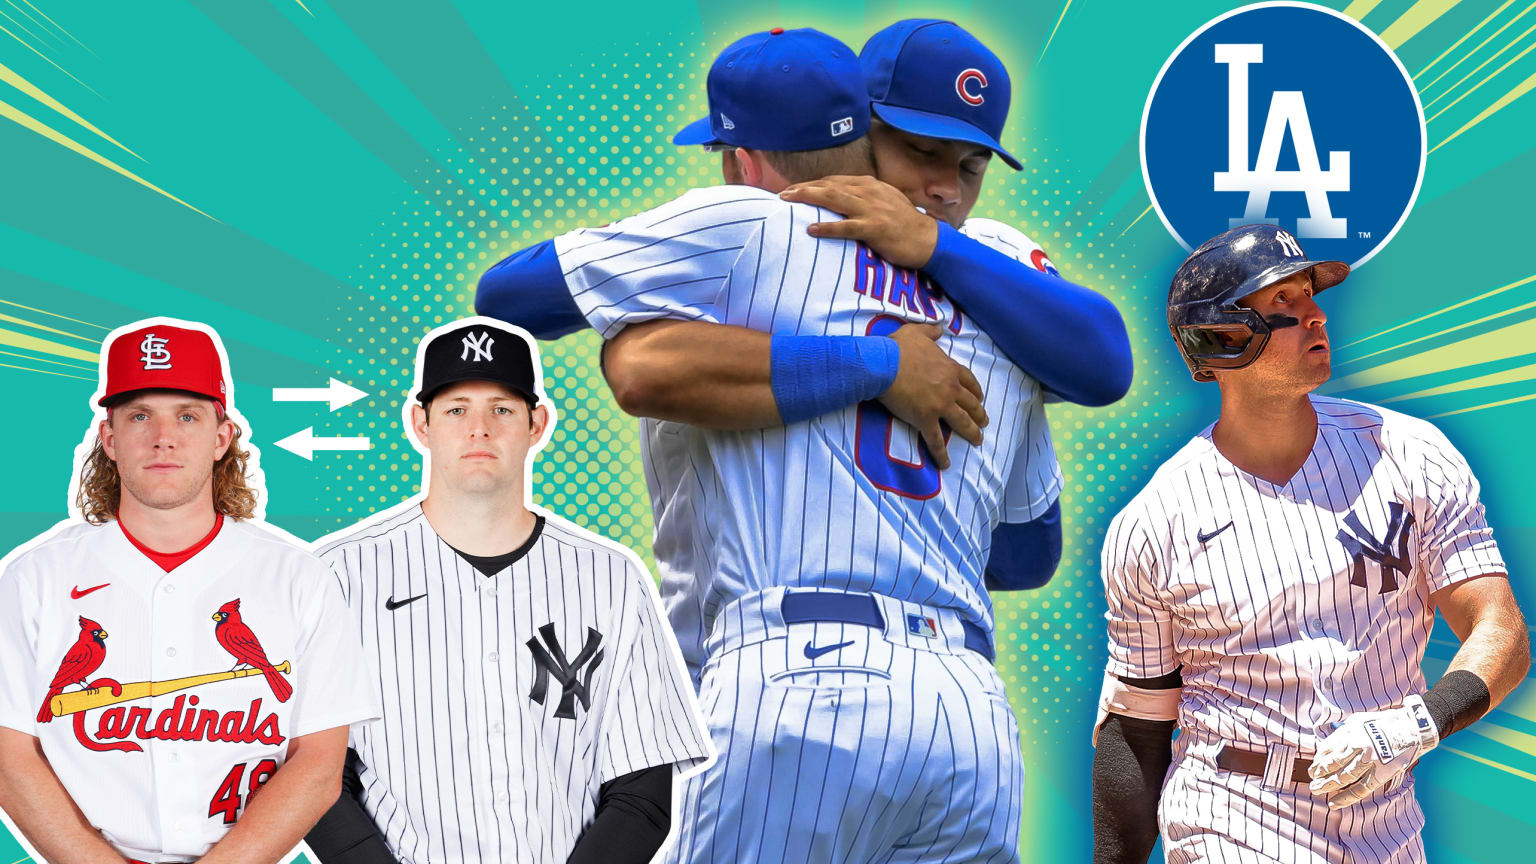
point(963, 88)
point(1289, 244)
point(478, 343)
point(1362, 545)
point(153, 353)
point(551, 660)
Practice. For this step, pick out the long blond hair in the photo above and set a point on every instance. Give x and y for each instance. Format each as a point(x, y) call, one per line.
point(101, 488)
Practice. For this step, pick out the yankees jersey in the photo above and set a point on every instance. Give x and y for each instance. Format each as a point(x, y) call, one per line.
point(1292, 606)
point(508, 700)
point(847, 500)
point(164, 701)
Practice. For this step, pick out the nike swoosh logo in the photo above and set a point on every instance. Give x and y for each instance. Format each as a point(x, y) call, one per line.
point(75, 593)
point(392, 605)
point(1205, 538)
point(812, 652)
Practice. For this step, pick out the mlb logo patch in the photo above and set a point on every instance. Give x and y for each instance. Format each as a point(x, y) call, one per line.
point(918, 625)
point(842, 127)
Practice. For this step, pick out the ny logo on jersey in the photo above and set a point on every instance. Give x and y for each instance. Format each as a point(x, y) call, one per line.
point(479, 344)
point(153, 353)
point(1362, 545)
point(1286, 109)
point(549, 659)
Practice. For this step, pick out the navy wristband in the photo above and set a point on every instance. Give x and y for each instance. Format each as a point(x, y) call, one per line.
point(812, 375)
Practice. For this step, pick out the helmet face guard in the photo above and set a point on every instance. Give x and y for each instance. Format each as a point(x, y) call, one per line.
point(1211, 346)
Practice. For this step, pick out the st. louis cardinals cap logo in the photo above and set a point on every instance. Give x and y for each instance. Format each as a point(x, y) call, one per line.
point(969, 84)
point(153, 352)
point(1290, 114)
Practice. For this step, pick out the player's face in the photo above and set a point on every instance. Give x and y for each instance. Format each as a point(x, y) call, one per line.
point(1297, 359)
point(479, 434)
point(940, 176)
point(165, 444)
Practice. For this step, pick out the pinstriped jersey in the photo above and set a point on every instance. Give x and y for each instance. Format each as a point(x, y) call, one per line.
point(847, 500)
point(1292, 606)
point(510, 699)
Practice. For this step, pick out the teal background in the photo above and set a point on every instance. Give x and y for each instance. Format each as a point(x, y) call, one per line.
point(324, 181)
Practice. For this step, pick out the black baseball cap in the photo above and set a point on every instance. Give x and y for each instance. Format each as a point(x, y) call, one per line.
point(477, 352)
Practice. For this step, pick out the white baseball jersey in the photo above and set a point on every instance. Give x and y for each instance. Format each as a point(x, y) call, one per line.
point(163, 777)
point(508, 700)
point(1290, 607)
point(846, 500)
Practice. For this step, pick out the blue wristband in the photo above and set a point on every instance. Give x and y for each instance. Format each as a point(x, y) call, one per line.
point(812, 375)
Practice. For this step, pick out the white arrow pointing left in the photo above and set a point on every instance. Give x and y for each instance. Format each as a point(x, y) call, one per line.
point(338, 394)
point(304, 443)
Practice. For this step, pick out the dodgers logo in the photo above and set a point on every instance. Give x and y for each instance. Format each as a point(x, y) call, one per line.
point(1286, 113)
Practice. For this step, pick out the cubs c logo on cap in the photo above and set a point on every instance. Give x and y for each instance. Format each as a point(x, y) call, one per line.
point(963, 87)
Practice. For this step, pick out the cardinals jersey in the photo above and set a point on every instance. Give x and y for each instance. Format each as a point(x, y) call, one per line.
point(847, 500)
point(164, 701)
point(508, 699)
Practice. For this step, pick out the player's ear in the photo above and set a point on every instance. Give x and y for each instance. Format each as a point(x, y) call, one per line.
point(105, 436)
point(538, 423)
point(226, 434)
point(419, 423)
point(730, 167)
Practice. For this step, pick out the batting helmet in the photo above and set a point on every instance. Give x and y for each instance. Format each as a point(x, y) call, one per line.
point(1211, 329)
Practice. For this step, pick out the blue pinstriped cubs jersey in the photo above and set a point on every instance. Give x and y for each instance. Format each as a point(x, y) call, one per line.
point(847, 500)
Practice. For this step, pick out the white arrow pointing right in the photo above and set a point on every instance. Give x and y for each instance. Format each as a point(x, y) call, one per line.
point(304, 443)
point(337, 393)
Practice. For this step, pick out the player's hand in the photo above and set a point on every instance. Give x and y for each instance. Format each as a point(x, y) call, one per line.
point(931, 390)
point(1369, 750)
point(874, 213)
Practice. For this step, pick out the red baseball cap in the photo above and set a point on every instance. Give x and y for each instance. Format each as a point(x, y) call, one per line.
point(163, 357)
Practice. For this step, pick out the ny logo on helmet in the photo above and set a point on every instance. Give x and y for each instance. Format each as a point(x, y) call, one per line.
point(479, 344)
point(1286, 110)
point(153, 352)
point(1360, 543)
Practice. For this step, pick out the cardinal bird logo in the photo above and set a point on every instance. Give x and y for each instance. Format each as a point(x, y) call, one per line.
point(83, 658)
point(242, 644)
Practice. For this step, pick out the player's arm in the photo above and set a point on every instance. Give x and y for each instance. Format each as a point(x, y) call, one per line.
point(280, 813)
point(36, 801)
point(1070, 338)
point(1494, 656)
point(1025, 555)
point(527, 288)
point(718, 376)
point(634, 814)
point(346, 834)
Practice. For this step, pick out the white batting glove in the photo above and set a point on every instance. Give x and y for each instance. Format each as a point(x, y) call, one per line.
point(1369, 750)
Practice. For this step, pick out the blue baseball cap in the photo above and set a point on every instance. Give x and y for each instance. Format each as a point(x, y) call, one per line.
point(783, 90)
point(929, 77)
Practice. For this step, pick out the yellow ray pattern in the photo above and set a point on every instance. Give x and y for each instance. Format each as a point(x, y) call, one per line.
point(1464, 37)
point(1429, 315)
point(57, 27)
point(1059, 19)
point(10, 112)
point(49, 61)
point(1361, 8)
point(27, 87)
point(1137, 219)
point(22, 27)
point(46, 360)
point(1486, 405)
point(1419, 15)
point(54, 314)
point(43, 346)
point(1452, 89)
point(35, 326)
point(1500, 344)
point(1519, 90)
point(1470, 54)
point(45, 371)
point(1490, 763)
point(1508, 376)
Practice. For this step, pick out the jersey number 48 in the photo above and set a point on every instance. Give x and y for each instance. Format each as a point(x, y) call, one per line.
point(227, 800)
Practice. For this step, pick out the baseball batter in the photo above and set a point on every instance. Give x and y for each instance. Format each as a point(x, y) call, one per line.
point(179, 677)
point(843, 566)
point(535, 705)
point(1272, 592)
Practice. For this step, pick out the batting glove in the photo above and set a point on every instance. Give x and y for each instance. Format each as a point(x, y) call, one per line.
point(1369, 750)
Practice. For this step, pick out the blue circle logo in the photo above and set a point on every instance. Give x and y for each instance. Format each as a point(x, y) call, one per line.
point(1286, 113)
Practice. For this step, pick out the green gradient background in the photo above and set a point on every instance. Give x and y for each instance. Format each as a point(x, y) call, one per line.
point(349, 168)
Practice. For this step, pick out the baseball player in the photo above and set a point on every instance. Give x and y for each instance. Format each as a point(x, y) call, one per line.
point(838, 565)
point(535, 706)
point(1272, 589)
point(179, 677)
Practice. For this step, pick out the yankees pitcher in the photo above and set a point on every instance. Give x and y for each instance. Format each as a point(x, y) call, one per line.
point(1272, 591)
point(535, 705)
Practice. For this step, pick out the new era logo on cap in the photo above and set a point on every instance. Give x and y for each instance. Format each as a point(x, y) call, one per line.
point(725, 122)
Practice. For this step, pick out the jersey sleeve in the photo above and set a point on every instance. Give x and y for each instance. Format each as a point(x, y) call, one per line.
point(1456, 543)
point(1140, 623)
point(18, 656)
point(653, 717)
point(1035, 481)
point(335, 686)
point(670, 262)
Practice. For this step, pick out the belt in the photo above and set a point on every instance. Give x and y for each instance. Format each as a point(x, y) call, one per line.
point(799, 607)
point(1253, 763)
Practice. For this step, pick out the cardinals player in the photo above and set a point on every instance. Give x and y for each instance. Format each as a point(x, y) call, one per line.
point(242, 644)
point(84, 657)
point(168, 522)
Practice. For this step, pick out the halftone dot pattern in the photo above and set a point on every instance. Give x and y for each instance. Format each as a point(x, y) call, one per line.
point(590, 145)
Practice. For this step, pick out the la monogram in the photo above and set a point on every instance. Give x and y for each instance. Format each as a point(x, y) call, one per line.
point(551, 660)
